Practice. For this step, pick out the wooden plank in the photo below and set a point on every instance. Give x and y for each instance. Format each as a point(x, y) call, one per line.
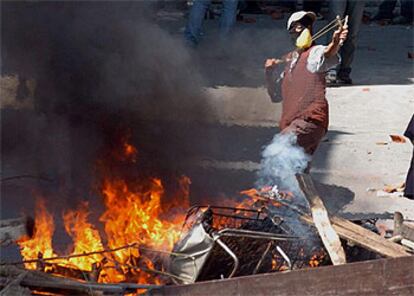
point(403, 228)
point(7, 290)
point(367, 239)
point(364, 237)
point(40, 281)
point(407, 243)
point(14, 229)
point(350, 231)
point(330, 238)
point(407, 230)
point(376, 277)
point(398, 220)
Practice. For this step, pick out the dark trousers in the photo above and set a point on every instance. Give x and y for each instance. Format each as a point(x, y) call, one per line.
point(312, 5)
point(387, 7)
point(354, 9)
point(409, 183)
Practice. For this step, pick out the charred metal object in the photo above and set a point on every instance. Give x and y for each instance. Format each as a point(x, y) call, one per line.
point(225, 242)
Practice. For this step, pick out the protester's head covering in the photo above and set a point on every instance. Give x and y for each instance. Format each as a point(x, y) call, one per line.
point(299, 15)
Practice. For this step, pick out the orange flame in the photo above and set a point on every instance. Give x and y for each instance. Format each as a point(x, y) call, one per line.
point(130, 152)
point(133, 216)
point(41, 242)
point(85, 237)
point(256, 199)
point(317, 258)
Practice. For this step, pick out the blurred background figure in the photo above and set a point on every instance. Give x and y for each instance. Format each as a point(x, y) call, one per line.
point(387, 7)
point(192, 31)
point(409, 183)
point(314, 6)
point(354, 9)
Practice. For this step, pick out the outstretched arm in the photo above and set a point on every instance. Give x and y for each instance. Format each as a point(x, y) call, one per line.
point(271, 79)
point(338, 37)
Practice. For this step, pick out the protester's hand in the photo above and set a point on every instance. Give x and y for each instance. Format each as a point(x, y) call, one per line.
point(270, 64)
point(338, 38)
point(340, 35)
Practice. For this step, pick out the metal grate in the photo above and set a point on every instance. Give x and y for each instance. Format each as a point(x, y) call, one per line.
point(225, 242)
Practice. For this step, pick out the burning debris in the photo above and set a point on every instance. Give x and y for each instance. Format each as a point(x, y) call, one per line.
point(147, 241)
point(213, 243)
point(128, 224)
point(135, 219)
point(226, 242)
point(113, 70)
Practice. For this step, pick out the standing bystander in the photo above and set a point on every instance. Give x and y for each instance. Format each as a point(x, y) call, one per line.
point(386, 11)
point(192, 31)
point(354, 9)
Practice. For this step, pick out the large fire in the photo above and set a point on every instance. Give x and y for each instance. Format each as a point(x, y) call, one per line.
point(133, 217)
point(137, 223)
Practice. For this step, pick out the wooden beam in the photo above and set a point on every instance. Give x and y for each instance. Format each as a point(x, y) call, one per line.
point(40, 281)
point(398, 220)
point(407, 243)
point(403, 228)
point(375, 277)
point(13, 284)
point(348, 230)
point(407, 230)
point(365, 238)
point(15, 229)
point(330, 238)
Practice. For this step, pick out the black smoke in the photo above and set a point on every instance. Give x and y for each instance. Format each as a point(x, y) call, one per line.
point(101, 69)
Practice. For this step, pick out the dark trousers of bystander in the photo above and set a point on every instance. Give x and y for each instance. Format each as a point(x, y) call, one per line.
point(387, 7)
point(313, 5)
point(354, 9)
point(409, 183)
point(192, 31)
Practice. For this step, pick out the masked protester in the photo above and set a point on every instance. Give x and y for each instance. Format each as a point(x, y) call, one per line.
point(301, 85)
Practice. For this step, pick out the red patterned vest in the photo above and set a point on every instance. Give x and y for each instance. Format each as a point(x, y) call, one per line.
point(303, 95)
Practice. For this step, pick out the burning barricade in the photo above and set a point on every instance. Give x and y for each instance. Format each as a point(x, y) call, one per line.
point(147, 243)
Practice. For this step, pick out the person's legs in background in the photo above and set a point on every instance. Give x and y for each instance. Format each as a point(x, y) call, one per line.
point(409, 182)
point(354, 9)
point(385, 10)
point(228, 16)
point(335, 8)
point(195, 21)
point(289, 4)
point(407, 13)
point(407, 9)
point(313, 5)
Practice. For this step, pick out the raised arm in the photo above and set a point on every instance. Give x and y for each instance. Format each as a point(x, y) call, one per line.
point(338, 37)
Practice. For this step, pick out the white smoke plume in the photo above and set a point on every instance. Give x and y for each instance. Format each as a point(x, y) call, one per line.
point(281, 160)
